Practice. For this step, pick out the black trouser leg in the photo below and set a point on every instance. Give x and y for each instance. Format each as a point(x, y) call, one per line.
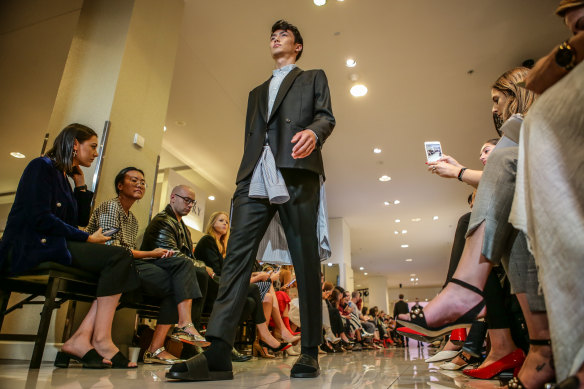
point(250, 220)
point(299, 218)
point(156, 284)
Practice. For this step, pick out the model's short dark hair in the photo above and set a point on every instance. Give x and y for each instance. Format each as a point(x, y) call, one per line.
point(284, 25)
point(401, 296)
point(122, 174)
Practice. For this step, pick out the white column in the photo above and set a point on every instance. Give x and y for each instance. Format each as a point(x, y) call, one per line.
point(340, 239)
point(378, 293)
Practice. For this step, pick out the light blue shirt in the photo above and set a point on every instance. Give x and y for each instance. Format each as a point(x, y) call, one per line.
point(278, 76)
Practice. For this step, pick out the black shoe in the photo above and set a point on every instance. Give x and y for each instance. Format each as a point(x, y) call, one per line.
point(236, 356)
point(473, 344)
point(325, 347)
point(305, 367)
point(283, 346)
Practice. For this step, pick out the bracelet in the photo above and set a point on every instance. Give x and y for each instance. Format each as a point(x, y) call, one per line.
point(460, 173)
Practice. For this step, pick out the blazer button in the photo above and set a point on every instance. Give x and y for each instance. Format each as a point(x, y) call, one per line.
point(43, 241)
point(58, 205)
point(288, 120)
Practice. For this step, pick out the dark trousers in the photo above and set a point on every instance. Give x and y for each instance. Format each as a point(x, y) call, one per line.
point(337, 325)
point(113, 265)
point(169, 281)
point(250, 219)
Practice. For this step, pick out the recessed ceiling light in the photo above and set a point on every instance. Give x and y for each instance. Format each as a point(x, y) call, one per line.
point(365, 274)
point(397, 220)
point(319, 2)
point(386, 203)
point(425, 299)
point(417, 279)
point(412, 279)
point(404, 231)
point(409, 260)
point(377, 150)
point(361, 268)
point(16, 154)
point(359, 90)
point(211, 198)
point(385, 178)
point(416, 219)
point(396, 202)
point(435, 218)
point(351, 63)
point(396, 232)
point(329, 264)
point(180, 123)
point(405, 246)
point(164, 128)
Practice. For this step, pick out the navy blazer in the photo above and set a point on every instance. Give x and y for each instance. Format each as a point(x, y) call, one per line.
point(43, 217)
point(303, 101)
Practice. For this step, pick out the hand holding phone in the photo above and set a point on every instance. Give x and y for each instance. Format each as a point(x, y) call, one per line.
point(110, 232)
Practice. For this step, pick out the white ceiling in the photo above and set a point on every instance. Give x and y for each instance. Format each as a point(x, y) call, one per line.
point(412, 55)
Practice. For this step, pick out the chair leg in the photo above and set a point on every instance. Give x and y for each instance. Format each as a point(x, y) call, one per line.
point(47, 313)
point(4, 298)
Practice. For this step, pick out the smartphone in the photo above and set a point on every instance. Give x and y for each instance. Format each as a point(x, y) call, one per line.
point(110, 232)
point(290, 283)
point(433, 151)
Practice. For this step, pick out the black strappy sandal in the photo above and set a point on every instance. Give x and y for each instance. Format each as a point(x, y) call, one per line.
point(418, 319)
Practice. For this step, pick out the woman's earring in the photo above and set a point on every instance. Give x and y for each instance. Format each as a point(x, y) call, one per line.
point(74, 153)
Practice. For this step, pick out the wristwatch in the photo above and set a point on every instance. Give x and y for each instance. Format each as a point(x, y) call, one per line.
point(566, 56)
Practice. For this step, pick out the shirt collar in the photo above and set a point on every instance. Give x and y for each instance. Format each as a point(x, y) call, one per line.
point(283, 70)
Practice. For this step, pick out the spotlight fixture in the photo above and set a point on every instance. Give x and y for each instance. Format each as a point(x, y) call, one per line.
point(409, 260)
point(396, 232)
point(404, 231)
point(386, 203)
point(211, 197)
point(412, 279)
point(397, 220)
point(361, 268)
point(359, 90)
point(319, 2)
point(351, 63)
point(365, 273)
point(416, 219)
point(405, 246)
point(396, 202)
point(435, 218)
point(384, 178)
point(164, 128)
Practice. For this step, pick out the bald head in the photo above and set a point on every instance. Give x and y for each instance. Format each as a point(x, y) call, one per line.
point(182, 200)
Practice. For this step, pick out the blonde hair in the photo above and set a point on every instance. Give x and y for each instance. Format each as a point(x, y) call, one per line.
point(222, 240)
point(519, 98)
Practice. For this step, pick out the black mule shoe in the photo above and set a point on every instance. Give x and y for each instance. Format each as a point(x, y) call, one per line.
point(283, 346)
point(91, 360)
point(418, 323)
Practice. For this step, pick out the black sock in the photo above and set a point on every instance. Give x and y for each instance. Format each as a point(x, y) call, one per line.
point(312, 351)
point(219, 355)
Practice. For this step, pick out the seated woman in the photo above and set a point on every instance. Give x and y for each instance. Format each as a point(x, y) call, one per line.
point(42, 227)
point(162, 275)
point(212, 249)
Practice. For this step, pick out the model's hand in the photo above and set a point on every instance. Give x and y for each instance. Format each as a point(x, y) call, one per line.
point(98, 237)
point(160, 253)
point(305, 143)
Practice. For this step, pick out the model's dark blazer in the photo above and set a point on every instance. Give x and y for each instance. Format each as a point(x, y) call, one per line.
point(45, 214)
point(303, 101)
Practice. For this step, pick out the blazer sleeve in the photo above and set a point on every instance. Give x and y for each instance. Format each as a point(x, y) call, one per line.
point(38, 180)
point(83, 205)
point(324, 121)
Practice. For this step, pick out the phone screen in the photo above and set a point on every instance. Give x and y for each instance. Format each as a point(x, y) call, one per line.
point(433, 151)
point(110, 232)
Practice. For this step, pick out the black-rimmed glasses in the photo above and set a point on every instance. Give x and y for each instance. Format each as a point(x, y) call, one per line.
point(187, 200)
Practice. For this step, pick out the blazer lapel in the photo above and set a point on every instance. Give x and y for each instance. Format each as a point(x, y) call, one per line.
point(286, 84)
point(263, 96)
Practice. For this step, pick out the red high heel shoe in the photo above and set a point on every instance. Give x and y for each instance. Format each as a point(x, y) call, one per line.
point(458, 336)
point(511, 361)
